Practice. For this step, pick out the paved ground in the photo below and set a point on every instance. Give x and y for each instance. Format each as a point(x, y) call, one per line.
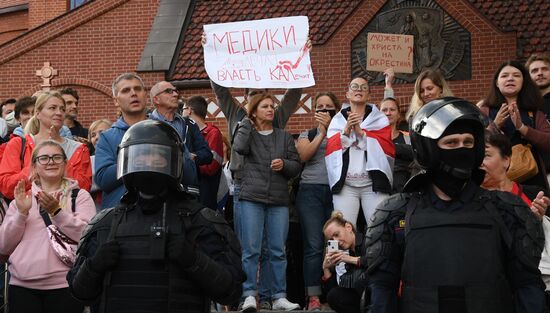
point(329, 311)
point(326, 309)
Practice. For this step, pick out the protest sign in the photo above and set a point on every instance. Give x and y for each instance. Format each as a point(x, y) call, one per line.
point(390, 50)
point(269, 53)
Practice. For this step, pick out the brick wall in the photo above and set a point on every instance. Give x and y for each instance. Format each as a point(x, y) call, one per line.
point(332, 69)
point(41, 11)
point(11, 3)
point(92, 45)
point(88, 47)
point(13, 24)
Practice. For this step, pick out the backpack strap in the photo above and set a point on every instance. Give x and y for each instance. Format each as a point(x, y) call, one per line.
point(74, 194)
point(311, 134)
point(23, 146)
point(46, 217)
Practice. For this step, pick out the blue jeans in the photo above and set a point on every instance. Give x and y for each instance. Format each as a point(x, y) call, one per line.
point(314, 205)
point(257, 218)
point(264, 287)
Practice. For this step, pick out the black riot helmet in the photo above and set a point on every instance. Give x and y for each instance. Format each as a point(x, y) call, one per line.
point(150, 157)
point(434, 118)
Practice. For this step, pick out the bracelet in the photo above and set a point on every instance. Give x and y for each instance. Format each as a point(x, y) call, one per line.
point(55, 212)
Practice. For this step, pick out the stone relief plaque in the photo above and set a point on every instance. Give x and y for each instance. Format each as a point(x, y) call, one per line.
point(440, 42)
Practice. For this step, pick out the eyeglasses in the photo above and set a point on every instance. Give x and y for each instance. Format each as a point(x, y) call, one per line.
point(357, 87)
point(45, 159)
point(168, 91)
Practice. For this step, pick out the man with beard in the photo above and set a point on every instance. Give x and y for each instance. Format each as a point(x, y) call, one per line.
point(72, 99)
point(454, 246)
point(539, 69)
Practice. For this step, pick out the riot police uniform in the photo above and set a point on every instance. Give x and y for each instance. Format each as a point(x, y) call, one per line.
point(159, 250)
point(477, 252)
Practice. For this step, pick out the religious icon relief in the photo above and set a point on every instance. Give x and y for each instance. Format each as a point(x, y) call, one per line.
point(440, 42)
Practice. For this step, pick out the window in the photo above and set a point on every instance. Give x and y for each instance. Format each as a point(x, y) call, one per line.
point(76, 3)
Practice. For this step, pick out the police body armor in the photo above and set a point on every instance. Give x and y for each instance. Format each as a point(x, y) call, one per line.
point(145, 280)
point(453, 261)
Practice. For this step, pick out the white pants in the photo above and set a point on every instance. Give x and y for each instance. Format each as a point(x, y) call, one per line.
point(347, 201)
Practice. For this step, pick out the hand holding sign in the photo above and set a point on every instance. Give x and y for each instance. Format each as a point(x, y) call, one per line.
point(271, 53)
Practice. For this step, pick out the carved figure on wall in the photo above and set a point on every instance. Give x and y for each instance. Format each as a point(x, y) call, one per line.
point(439, 41)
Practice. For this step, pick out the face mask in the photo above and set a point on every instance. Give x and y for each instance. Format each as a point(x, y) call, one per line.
point(330, 112)
point(456, 166)
point(150, 184)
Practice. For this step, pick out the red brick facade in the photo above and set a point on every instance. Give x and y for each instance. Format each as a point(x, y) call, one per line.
point(43, 11)
point(13, 24)
point(332, 69)
point(94, 43)
point(11, 3)
point(88, 47)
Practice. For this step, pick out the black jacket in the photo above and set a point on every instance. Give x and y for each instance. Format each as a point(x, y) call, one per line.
point(215, 275)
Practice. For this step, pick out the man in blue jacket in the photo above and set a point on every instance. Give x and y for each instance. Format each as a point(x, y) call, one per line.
point(129, 96)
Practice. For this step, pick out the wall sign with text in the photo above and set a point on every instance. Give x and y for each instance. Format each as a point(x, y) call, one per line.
point(390, 50)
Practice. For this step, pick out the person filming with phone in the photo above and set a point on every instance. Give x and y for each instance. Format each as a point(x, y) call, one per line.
point(344, 261)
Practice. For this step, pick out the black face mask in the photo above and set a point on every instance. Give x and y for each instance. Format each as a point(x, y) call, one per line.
point(455, 170)
point(149, 204)
point(150, 184)
point(330, 112)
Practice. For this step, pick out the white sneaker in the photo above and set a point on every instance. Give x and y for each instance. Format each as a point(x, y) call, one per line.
point(249, 304)
point(282, 304)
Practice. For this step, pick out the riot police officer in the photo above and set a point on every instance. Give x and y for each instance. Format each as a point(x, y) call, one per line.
point(159, 250)
point(454, 246)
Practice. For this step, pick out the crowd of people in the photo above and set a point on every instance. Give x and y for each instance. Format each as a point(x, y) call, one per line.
point(439, 176)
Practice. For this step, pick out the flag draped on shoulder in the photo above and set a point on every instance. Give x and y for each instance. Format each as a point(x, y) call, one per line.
point(379, 146)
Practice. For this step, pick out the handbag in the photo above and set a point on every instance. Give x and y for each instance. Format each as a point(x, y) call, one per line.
point(522, 164)
point(63, 246)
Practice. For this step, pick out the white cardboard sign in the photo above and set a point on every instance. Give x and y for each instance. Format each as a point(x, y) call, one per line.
point(269, 53)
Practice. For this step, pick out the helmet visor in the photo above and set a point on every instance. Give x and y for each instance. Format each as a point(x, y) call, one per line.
point(148, 157)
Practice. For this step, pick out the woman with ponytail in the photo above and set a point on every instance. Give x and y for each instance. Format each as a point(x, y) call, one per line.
point(44, 125)
point(348, 263)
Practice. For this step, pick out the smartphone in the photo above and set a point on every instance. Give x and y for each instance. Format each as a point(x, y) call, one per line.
point(332, 245)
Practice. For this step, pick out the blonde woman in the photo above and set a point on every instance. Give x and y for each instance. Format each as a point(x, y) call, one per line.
point(351, 254)
point(95, 129)
point(38, 282)
point(44, 125)
point(429, 85)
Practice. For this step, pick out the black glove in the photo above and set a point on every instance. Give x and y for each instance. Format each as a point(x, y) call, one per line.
point(106, 257)
point(181, 251)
